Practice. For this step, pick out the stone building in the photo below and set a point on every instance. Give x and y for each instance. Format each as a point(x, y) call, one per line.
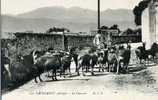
point(150, 24)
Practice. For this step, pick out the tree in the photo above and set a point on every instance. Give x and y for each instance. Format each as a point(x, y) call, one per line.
point(138, 31)
point(104, 27)
point(137, 11)
point(129, 31)
point(56, 29)
point(49, 30)
point(115, 27)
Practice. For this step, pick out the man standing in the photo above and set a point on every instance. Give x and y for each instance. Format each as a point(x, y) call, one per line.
point(98, 41)
point(127, 56)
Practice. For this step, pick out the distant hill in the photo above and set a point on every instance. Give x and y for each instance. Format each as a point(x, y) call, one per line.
point(79, 14)
point(76, 19)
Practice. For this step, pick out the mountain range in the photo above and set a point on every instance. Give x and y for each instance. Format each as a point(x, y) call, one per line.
point(75, 18)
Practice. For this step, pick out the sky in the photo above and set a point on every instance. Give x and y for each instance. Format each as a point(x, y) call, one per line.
point(20, 6)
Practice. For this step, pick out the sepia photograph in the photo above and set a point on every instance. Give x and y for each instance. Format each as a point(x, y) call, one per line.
point(79, 49)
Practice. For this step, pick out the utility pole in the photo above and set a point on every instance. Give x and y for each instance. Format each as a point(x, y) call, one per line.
point(98, 14)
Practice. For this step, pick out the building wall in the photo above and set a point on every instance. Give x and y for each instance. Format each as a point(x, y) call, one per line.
point(157, 25)
point(150, 25)
point(145, 28)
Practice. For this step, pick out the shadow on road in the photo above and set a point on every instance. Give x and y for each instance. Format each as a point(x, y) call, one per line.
point(66, 80)
point(140, 67)
point(100, 74)
point(136, 69)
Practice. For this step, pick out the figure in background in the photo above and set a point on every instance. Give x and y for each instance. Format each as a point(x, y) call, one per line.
point(127, 56)
point(98, 41)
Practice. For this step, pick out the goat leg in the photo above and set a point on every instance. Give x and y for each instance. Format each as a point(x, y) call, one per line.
point(118, 66)
point(69, 71)
point(78, 69)
point(40, 78)
point(36, 80)
point(83, 70)
point(55, 75)
point(92, 71)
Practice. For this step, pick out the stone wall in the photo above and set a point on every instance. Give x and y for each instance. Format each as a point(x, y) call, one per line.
point(28, 42)
point(79, 41)
point(24, 43)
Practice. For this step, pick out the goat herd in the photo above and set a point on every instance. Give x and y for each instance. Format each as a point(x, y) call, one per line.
point(112, 59)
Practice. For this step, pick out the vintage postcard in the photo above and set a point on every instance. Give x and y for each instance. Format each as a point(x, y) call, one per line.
point(79, 49)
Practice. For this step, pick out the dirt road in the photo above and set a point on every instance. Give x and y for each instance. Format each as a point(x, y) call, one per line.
point(140, 82)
